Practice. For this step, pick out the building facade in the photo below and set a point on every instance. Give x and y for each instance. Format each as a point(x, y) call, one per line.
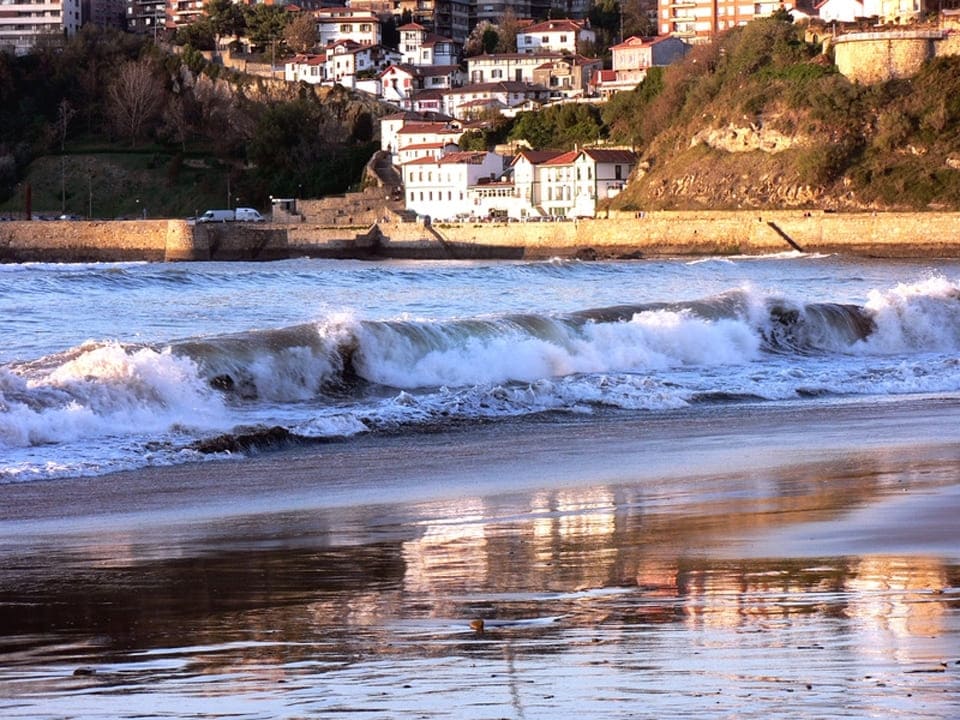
point(24, 24)
point(697, 21)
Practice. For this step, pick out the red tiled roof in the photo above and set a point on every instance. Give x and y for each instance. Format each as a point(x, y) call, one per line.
point(611, 156)
point(469, 157)
point(537, 157)
point(564, 158)
point(424, 146)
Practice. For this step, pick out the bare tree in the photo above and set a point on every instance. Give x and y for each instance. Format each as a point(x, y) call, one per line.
point(135, 97)
point(300, 34)
point(65, 113)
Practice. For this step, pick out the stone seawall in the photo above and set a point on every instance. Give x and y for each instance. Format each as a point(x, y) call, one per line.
point(624, 235)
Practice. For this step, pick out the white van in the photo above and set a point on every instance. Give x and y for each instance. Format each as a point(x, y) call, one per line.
point(249, 215)
point(217, 216)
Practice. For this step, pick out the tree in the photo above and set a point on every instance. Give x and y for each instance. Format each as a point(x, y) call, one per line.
point(265, 24)
point(226, 18)
point(507, 30)
point(639, 17)
point(134, 98)
point(65, 113)
point(475, 40)
point(198, 34)
point(300, 34)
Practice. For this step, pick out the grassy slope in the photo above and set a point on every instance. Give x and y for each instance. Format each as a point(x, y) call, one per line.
point(891, 146)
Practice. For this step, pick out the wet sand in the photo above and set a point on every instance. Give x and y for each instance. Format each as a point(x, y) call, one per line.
point(762, 562)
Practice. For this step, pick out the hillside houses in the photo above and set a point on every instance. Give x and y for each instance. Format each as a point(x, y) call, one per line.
point(565, 36)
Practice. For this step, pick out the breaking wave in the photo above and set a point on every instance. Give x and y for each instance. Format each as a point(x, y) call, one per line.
point(342, 375)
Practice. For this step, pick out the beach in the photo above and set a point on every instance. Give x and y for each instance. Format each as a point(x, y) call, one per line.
point(710, 487)
point(790, 561)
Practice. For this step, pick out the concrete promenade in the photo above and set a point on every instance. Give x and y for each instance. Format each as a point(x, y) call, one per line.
point(624, 235)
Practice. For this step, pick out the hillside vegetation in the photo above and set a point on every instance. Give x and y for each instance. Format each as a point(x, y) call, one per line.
point(109, 125)
point(761, 119)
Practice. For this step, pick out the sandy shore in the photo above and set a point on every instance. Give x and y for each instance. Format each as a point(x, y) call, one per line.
point(683, 453)
point(758, 563)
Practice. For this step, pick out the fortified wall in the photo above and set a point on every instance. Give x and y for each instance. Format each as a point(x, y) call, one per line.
point(879, 56)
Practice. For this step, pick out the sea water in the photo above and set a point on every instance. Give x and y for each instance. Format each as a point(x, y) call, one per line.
point(106, 367)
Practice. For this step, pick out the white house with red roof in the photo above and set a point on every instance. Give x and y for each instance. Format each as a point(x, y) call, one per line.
point(391, 125)
point(555, 36)
point(308, 68)
point(418, 140)
point(570, 184)
point(418, 46)
point(633, 57)
point(440, 187)
point(472, 100)
point(400, 83)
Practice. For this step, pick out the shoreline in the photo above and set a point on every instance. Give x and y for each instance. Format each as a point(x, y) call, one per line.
point(622, 235)
point(675, 456)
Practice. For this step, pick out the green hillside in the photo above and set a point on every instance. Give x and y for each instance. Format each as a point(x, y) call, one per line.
point(762, 119)
point(109, 125)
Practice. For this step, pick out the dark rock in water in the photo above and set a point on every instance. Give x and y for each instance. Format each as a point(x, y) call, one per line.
point(222, 382)
point(84, 671)
point(588, 254)
point(242, 442)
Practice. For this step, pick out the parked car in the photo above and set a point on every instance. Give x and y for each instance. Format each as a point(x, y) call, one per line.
point(245, 214)
point(217, 216)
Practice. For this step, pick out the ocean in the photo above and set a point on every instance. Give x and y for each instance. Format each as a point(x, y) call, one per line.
point(712, 488)
point(117, 366)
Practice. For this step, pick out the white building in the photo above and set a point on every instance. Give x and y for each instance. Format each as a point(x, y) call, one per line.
point(339, 23)
point(570, 184)
point(471, 100)
point(440, 188)
point(420, 47)
point(25, 23)
point(391, 125)
point(555, 36)
point(498, 67)
point(401, 83)
point(308, 68)
point(424, 139)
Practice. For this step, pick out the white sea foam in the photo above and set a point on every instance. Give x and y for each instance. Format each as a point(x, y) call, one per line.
point(105, 390)
point(922, 316)
point(408, 357)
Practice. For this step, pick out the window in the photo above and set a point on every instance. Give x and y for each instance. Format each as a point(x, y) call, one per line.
point(365, 27)
point(563, 38)
point(346, 28)
point(618, 172)
point(496, 73)
point(545, 40)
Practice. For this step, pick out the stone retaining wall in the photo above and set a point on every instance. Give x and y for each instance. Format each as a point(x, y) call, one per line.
point(878, 56)
point(624, 235)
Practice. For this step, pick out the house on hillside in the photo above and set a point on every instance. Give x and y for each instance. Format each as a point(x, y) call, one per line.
point(568, 76)
point(462, 103)
point(634, 56)
point(341, 23)
point(420, 47)
point(391, 125)
point(565, 36)
point(308, 68)
point(417, 140)
point(498, 67)
point(401, 83)
point(439, 187)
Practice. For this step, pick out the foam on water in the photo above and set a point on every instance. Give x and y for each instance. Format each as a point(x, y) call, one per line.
point(105, 405)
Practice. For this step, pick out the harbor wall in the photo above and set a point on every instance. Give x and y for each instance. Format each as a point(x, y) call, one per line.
point(623, 235)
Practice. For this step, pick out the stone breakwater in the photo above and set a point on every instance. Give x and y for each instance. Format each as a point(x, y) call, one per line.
point(623, 235)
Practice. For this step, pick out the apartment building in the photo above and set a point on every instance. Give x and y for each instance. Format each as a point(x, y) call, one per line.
point(24, 23)
point(697, 21)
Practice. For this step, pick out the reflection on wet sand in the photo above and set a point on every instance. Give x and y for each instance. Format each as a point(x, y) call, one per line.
point(592, 590)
